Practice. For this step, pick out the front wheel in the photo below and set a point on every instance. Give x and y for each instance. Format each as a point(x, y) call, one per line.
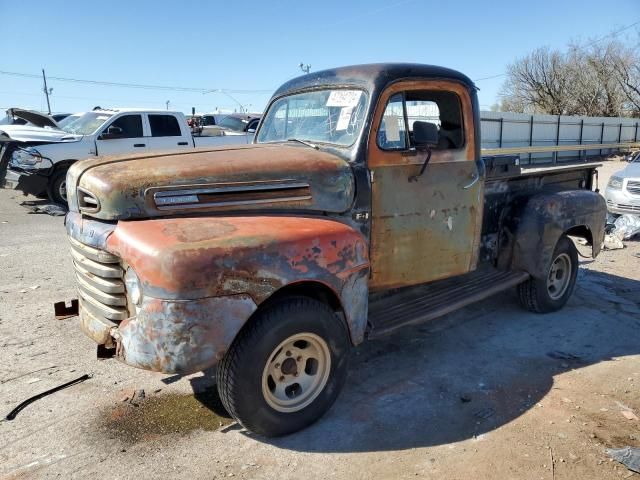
point(548, 294)
point(57, 188)
point(286, 368)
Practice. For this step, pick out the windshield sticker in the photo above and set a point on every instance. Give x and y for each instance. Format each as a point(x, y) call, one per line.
point(343, 98)
point(344, 118)
point(392, 128)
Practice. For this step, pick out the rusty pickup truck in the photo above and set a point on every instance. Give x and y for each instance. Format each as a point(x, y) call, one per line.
point(362, 206)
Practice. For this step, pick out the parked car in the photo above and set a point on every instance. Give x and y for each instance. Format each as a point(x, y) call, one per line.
point(37, 159)
point(623, 190)
point(233, 123)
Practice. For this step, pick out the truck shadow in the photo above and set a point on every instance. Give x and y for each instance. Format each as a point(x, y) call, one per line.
point(473, 371)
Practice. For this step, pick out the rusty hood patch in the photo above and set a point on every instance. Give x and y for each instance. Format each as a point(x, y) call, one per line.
point(253, 177)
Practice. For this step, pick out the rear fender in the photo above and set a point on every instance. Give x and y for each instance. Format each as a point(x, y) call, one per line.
point(545, 217)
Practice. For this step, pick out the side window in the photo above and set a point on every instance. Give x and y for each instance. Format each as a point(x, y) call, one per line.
point(164, 126)
point(208, 120)
point(441, 108)
point(131, 126)
point(392, 131)
point(253, 124)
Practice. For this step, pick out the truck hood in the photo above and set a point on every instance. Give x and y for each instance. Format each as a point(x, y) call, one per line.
point(36, 118)
point(30, 133)
point(252, 178)
point(631, 171)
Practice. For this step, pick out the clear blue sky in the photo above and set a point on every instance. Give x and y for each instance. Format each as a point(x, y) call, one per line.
point(257, 45)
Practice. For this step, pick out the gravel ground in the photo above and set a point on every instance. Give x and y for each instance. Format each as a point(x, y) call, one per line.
point(488, 392)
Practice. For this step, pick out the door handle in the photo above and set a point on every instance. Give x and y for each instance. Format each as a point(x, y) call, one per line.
point(183, 143)
point(139, 145)
point(474, 180)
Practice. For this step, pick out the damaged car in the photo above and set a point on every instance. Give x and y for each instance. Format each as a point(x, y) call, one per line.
point(623, 190)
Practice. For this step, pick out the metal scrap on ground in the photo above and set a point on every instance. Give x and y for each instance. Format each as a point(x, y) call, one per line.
point(63, 311)
point(628, 456)
point(13, 413)
point(621, 228)
point(52, 209)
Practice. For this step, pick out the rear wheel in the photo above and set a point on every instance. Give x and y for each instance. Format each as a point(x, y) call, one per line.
point(548, 294)
point(286, 368)
point(57, 188)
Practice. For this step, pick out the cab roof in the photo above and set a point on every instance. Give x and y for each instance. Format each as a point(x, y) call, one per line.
point(374, 76)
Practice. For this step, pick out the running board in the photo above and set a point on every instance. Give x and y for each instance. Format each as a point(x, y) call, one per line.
point(426, 302)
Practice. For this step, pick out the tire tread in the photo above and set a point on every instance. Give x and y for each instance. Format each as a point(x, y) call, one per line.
point(227, 374)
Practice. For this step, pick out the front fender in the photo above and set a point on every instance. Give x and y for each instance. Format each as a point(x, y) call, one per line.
point(545, 217)
point(179, 259)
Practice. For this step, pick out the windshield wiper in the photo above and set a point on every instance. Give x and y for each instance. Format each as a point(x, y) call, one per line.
point(304, 142)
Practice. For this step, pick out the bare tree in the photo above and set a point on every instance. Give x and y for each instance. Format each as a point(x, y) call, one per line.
point(597, 80)
point(538, 83)
point(625, 66)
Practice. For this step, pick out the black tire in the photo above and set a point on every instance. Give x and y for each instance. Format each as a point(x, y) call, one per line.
point(536, 295)
point(240, 373)
point(56, 182)
point(210, 398)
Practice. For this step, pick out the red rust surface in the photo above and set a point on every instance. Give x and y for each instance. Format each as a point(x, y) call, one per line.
point(201, 257)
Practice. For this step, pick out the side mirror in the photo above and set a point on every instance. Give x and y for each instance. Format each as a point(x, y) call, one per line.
point(111, 132)
point(251, 130)
point(425, 134)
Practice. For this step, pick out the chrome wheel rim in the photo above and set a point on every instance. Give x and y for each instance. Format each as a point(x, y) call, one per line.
point(296, 372)
point(559, 276)
point(62, 190)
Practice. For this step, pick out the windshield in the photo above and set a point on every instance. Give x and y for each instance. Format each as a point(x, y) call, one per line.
point(324, 116)
point(86, 124)
point(232, 123)
point(67, 120)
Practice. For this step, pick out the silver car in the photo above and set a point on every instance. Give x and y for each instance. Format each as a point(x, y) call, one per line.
point(623, 189)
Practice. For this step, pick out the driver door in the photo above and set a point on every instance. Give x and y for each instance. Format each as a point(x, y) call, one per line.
point(128, 139)
point(426, 228)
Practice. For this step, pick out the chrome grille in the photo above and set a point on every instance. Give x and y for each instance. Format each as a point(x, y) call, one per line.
point(624, 206)
point(100, 281)
point(633, 187)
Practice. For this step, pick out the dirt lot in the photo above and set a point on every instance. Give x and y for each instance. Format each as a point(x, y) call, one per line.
point(489, 392)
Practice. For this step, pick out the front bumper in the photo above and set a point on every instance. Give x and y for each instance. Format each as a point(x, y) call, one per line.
point(32, 183)
point(620, 202)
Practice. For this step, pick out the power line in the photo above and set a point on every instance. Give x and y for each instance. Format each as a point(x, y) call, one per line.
point(133, 85)
point(612, 34)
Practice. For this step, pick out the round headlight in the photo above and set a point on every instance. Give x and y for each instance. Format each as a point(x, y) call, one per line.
point(132, 283)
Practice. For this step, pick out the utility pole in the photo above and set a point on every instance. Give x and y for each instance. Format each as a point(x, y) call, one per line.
point(167, 104)
point(227, 94)
point(46, 91)
point(305, 68)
